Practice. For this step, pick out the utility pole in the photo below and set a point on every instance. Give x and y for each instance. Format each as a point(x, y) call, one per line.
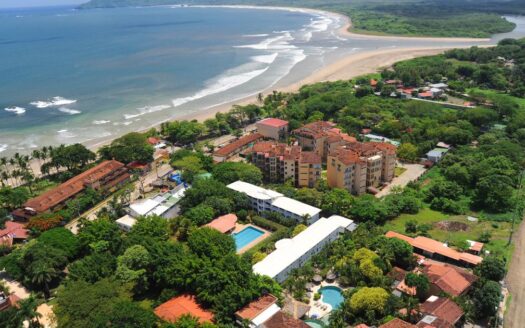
point(517, 207)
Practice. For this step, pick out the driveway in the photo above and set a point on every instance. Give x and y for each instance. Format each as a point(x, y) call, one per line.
point(412, 173)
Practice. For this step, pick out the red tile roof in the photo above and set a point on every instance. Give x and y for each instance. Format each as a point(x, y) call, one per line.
point(273, 122)
point(444, 309)
point(181, 305)
point(72, 186)
point(347, 156)
point(153, 141)
point(310, 157)
point(397, 323)
point(11, 232)
point(448, 278)
point(10, 301)
point(223, 223)
point(254, 308)
point(238, 144)
point(362, 325)
point(276, 149)
point(426, 94)
point(436, 247)
point(476, 246)
point(373, 83)
point(282, 320)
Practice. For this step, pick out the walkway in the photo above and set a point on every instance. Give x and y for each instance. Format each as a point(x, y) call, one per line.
point(515, 316)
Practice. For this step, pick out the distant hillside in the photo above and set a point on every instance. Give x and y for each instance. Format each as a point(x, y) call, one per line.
point(438, 18)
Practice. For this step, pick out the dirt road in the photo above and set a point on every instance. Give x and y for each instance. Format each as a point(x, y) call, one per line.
point(515, 315)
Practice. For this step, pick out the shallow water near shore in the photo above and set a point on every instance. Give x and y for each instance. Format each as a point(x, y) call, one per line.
point(86, 76)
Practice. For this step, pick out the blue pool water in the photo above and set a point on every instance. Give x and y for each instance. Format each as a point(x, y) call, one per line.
point(246, 236)
point(332, 295)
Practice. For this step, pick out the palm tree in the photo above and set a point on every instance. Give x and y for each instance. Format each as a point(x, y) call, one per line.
point(26, 311)
point(42, 276)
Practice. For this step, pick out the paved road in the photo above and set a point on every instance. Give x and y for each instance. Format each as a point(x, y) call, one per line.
point(515, 315)
point(413, 172)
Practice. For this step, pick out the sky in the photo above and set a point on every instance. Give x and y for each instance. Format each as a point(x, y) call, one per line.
point(37, 3)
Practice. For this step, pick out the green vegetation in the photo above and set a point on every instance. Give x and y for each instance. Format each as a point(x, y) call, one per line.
point(437, 18)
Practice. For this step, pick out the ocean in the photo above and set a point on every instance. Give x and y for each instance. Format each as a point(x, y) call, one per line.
point(70, 75)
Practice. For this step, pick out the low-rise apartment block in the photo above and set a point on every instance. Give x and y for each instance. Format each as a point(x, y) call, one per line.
point(321, 137)
point(263, 200)
point(280, 162)
point(273, 128)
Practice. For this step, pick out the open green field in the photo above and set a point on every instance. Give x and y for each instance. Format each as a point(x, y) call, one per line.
point(491, 93)
point(471, 230)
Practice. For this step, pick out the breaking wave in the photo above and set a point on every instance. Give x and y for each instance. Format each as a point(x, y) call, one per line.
point(53, 102)
point(16, 110)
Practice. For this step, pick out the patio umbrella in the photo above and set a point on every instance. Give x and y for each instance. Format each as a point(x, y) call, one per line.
point(331, 276)
point(309, 286)
point(317, 278)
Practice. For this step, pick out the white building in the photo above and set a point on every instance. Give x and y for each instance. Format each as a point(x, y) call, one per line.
point(161, 204)
point(293, 253)
point(126, 223)
point(269, 200)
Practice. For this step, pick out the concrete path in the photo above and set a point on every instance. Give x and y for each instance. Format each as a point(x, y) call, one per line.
point(515, 314)
point(412, 173)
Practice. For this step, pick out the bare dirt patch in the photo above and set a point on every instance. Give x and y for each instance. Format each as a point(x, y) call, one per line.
point(453, 226)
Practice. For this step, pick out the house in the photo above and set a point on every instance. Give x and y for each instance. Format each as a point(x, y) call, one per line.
point(179, 306)
point(440, 312)
point(8, 301)
point(257, 312)
point(105, 176)
point(273, 128)
point(268, 200)
point(235, 147)
point(280, 162)
point(224, 224)
point(475, 247)
point(163, 204)
point(293, 253)
point(156, 143)
point(12, 233)
point(397, 323)
point(425, 95)
point(281, 319)
point(435, 249)
point(447, 278)
point(373, 83)
point(436, 154)
point(441, 86)
point(359, 166)
point(126, 222)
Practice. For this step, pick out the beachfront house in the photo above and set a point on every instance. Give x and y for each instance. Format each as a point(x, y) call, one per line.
point(293, 253)
point(263, 200)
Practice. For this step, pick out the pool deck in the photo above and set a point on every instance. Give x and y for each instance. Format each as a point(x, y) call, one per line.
point(320, 308)
point(239, 227)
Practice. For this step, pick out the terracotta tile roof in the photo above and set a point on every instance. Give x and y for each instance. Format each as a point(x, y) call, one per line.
point(11, 300)
point(476, 246)
point(276, 149)
point(273, 122)
point(362, 325)
point(223, 223)
point(254, 308)
point(404, 288)
point(385, 147)
point(72, 186)
point(426, 94)
point(153, 141)
point(310, 157)
point(449, 279)
point(13, 231)
point(397, 323)
point(347, 156)
point(436, 247)
point(281, 320)
point(181, 305)
point(373, 83)
point(238, 144)
point(315, 129)
point(444, 309)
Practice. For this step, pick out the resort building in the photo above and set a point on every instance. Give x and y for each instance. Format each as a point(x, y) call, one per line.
point(321, 137)
point(106, 176)
point(12, 233)
point(358, 167)
point(280, 162)
point(263, 200)
point(224, 224)
point(265, 313)
point(182, 305)
point(434, 249)
point(273, 128)
point(448, 279)
point(440, 312)
point(164, 204)
point(293, 253)
point(126, 222)
point(235, 147)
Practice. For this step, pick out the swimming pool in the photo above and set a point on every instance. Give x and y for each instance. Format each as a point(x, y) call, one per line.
point(246, 236)
point(314, 323)
point(332, 295)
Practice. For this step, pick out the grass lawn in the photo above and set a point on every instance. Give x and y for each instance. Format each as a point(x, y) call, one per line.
point(498, 230)
point(489, 93)
point(399, 170)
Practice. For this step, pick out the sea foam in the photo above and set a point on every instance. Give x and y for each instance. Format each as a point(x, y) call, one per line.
point(3, 147)
point(266, 59)
point(69, 111)
point(100, 122)
point(146, 110)
point(53, 102)
point(16, 110)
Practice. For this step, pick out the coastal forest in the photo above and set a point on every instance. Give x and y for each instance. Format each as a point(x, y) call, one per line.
point(436, 18)
point(103, 277)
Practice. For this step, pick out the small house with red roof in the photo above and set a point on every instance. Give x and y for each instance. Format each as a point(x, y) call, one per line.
point(8, 301)
point(224, 224)
point(273, 128)
point(259, 311)
point(12, 233)
point(447, 278)
point(440, 312)
point(185, 304)
point(397, 323)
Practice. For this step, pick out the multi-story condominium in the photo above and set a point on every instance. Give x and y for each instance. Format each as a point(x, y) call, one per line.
point(263, 200)
point(280, 162)
point(273, 128)
point(105, 176)
point(358, 166)
point(321, 137)
point(293, 253)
